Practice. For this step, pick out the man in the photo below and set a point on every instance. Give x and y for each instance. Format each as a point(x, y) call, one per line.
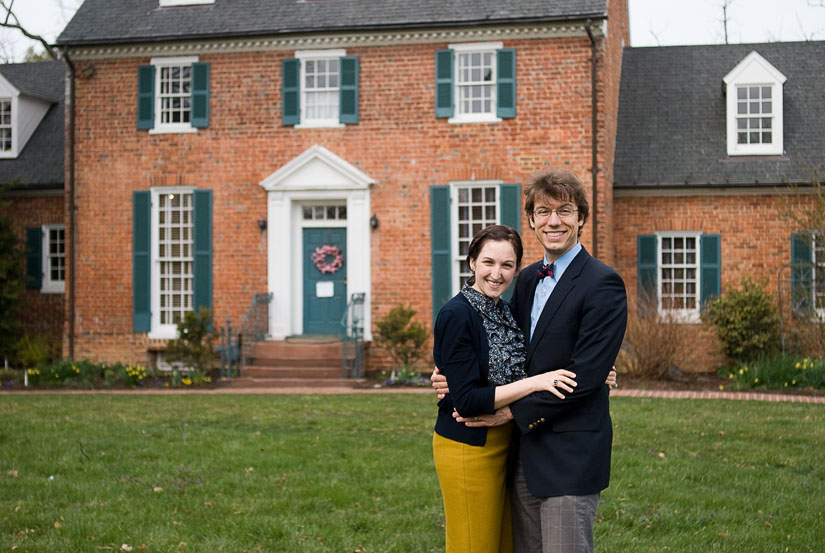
point(573, 311)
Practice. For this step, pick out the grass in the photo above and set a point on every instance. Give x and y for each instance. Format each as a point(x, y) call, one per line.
point(353, 473)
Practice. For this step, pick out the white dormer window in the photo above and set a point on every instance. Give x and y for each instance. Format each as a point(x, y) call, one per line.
point(754, 107)
point(5, 125)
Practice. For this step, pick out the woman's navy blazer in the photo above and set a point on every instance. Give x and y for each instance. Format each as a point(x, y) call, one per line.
point(461, 352)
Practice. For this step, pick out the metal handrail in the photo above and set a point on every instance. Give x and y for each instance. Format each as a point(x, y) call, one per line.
point(352, 342)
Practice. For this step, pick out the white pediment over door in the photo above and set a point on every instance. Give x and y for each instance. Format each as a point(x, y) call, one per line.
point(317, 169)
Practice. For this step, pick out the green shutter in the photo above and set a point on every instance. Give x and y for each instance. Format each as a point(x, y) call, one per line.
point(506, 83)
point(200, 95)
point(802, 274)
point(203, 250)
point(440, 246)
point(348, 93)
point(146, 97)
point(710, 268)
point(141, 267)
point(291, 111)
point(510, 202)
point(34, 257)
point(444, 83)
point(647, 258)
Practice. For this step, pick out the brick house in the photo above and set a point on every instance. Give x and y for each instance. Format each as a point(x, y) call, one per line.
point(710, 140)
point(220, 145)
point(32, 175)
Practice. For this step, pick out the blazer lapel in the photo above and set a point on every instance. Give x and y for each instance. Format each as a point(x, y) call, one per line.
point(563, 287)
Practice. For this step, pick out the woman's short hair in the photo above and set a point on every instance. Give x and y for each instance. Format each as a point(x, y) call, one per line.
point(494, 233)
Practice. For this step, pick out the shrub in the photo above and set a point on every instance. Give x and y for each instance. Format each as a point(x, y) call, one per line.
point(653, 343)
point(746, 322)
point(11, 290)
point(11, 378)
point(194, 348)
point(401, 337)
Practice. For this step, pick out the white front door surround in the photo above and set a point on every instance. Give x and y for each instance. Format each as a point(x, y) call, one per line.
point(317, 176)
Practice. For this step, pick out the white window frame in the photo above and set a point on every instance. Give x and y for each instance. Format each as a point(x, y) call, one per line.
point(159, 330)
point(818, 271)
point(754, 70)
point(12, 151)
point(160, 64)
point(457, 257)
point(170, 3)
point(683, 315)
point(49, 285)
point(471, 48)
point(314, 55)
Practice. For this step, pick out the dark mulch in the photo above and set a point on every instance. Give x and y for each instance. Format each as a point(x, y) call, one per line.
point(701, 382)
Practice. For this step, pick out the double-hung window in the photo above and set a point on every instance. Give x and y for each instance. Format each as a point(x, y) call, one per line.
point(172, 257)
point(457, 212)
point(320, 89)
point(808, 274)
point(173, 95)
point(678, 272)
point(5, 125)
point(46, 258)
point(475, 82)
point(754, 107)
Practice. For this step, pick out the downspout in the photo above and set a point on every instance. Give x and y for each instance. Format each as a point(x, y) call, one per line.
point(69, 102)
point(594, 132)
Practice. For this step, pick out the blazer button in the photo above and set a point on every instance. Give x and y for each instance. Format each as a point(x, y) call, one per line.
point(541, 420)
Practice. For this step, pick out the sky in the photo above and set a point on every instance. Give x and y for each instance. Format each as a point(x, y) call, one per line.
point(652, 22)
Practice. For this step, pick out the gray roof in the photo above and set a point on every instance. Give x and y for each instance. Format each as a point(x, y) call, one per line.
point(672, 120)
point(40, 164)
point(118, 21)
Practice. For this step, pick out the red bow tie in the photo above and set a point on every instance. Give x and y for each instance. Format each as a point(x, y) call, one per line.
point(546, 270)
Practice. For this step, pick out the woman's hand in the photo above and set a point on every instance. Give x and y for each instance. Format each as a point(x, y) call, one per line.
point(553, 381)
point(611, 379)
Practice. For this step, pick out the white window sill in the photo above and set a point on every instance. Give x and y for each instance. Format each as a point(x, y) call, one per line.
point(171, 130)
point(486, 118)
point(8, 154)
point(320, 125)
point(59, 288)
point(756, 150)
point(680, 316)
point(164, 333)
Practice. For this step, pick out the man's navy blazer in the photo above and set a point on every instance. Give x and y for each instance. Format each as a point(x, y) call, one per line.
point(565, 444)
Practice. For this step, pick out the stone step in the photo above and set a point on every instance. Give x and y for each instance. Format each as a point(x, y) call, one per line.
point(293, 371)
point(298, 350)
point(278, 383)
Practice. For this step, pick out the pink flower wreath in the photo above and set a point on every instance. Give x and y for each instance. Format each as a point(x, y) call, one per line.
point(320, 258)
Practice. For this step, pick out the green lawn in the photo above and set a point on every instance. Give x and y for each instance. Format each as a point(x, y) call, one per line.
point(285, 473)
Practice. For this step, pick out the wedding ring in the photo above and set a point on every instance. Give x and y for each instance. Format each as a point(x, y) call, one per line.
point(555, 383)
point(475, 419)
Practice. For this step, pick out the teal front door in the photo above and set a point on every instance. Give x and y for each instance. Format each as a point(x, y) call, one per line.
point(325, 280)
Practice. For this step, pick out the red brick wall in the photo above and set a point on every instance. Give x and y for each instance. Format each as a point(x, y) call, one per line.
point(398, 142)
point(43, 313)
point(756, 241)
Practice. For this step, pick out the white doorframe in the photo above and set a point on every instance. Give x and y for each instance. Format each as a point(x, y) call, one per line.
point(315, 177)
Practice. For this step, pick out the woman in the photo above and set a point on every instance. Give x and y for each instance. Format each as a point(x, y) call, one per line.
point(481, 350)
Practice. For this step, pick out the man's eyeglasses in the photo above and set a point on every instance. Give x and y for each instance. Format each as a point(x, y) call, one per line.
point(564, 212)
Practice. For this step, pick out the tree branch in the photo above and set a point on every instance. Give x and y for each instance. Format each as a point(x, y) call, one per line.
point(10, 21)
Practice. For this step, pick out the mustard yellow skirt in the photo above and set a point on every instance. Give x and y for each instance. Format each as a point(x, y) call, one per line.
point(473, 483)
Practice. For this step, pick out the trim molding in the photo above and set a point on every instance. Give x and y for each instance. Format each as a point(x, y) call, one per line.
point(335, 40)
point(715, 191)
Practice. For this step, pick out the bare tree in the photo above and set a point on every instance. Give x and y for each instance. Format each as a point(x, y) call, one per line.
point(10, 21)
point(725, 5)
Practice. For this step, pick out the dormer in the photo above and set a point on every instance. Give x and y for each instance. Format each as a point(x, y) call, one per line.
point(20, 114)
point(754, 108)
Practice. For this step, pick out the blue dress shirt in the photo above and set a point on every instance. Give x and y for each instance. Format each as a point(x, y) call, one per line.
point(547, 284)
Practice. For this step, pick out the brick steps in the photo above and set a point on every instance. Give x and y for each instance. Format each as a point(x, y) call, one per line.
point(294, 363)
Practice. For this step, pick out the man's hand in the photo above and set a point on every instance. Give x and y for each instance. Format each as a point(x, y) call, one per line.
point(439, 383)
point(500, 417)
